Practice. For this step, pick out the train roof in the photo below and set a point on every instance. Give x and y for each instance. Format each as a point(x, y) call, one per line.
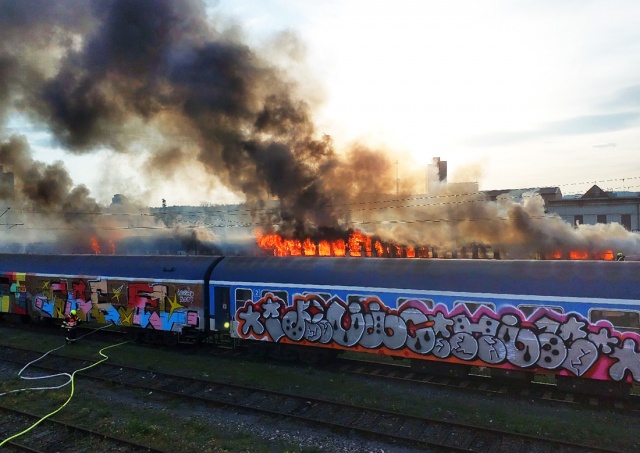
point(589, 279)
point(174, 267)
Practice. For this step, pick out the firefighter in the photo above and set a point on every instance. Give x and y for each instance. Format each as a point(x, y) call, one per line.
point(70, 323)
point(620, 257)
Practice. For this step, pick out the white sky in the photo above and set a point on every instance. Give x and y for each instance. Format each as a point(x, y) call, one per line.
point(511, 94)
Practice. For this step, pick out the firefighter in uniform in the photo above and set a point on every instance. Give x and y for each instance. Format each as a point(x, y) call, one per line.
point(620, 257)
point(70, 323)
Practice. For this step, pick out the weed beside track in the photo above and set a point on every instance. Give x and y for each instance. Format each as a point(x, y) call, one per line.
point(212, 429)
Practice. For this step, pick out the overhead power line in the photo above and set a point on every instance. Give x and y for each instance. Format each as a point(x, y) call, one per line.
point(346, 208)
point(275, 224)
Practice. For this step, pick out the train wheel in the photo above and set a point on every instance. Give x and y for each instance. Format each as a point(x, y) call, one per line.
point(284, 353)
point(36, 320)
point(257, 350)
point(170, 339)
point(150, 336)
point(593, 386)
point(312, 358)
point(316, 358)
point(328, 356)
point(440, 368)
point(511, 376)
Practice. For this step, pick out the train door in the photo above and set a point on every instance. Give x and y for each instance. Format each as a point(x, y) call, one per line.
point(220, 319)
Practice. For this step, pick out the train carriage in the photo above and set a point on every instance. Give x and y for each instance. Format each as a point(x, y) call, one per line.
point(164, 296)
point(516, 318)
point(561, 317)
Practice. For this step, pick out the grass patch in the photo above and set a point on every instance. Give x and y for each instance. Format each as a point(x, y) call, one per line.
point(156, 418)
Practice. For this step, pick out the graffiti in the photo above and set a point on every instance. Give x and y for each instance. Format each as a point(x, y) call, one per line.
point(186, 296)
point(146, 305)
point(565, 343)
point(13, 294)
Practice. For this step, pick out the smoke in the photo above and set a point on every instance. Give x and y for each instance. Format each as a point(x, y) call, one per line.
point(199, 242)
point(125, 70)
point(163, 83)
point(457, 217)
point(44, 188)
point(48, 213)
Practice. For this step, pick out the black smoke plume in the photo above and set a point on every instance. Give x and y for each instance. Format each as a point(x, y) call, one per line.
point(111, 73)
point(116, 66)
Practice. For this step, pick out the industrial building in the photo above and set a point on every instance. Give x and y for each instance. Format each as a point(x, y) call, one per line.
point(599, 206)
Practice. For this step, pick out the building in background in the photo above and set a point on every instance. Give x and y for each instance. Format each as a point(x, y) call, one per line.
point(6, 184)
point(547, 193)
point(599, 206)
point(436, 174)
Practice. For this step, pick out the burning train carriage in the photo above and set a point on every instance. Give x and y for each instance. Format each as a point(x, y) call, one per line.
point(355, 243)
point(568, 318)
point(514, 317)
point(164, 295)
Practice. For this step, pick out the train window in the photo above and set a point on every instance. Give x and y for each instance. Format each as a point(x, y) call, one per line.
point(528, 310)
point(324, 296)
point(283, 295)
point(472, 307)
point(355, 298)
point(630, 320)
point(243, 295)
point(427, 302)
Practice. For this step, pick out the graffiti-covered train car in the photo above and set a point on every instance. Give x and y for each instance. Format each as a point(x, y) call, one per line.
point(561, 317)
point(566, 318)
point(164, 296)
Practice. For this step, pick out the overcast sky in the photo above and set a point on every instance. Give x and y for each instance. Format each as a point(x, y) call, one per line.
point(511, 94)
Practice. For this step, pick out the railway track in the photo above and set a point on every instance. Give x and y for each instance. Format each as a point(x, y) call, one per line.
point(429, 433)
point(542, 392)
point(52, 435)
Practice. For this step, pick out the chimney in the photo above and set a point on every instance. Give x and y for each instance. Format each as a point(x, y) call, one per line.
point(436, 174)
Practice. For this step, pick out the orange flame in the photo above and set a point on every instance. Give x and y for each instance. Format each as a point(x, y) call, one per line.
point(578, 255)
point(607, 255)
point(308, 247)
point(294, 247)
point(379, 248)
point(324, 248)
point(271, 241)
point(95, 246)
point(280, 246)
point(339, 247)
point(359, 244)
point(358, 241)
